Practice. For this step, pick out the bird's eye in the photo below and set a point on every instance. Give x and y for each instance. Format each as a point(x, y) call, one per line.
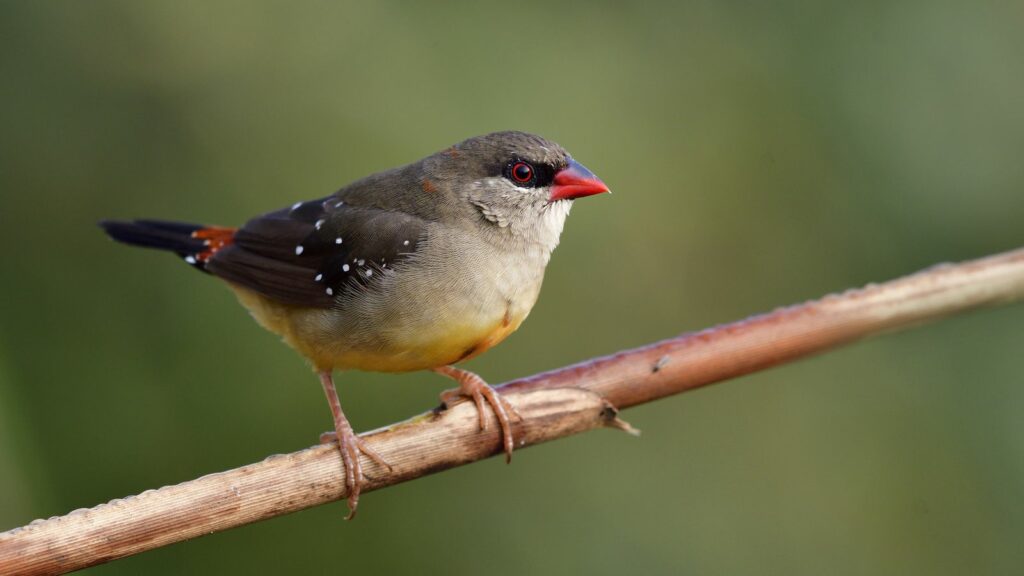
point(521, 173)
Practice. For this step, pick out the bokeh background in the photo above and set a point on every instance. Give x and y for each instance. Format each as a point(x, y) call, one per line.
point(760, 153)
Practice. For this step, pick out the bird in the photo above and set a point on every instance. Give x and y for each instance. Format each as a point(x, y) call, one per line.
point(419, 267)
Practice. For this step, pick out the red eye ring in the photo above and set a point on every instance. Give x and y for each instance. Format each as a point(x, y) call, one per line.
point(522, 172)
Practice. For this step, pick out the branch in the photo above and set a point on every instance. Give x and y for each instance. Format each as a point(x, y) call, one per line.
point(553, 404)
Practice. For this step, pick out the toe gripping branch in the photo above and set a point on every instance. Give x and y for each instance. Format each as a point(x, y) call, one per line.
point(473, 387)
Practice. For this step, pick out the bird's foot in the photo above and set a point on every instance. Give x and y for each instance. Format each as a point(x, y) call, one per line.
point(331, 437)
point(351, 447)
point(473, 386)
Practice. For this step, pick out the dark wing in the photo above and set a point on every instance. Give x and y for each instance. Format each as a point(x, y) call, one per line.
point(311, 253)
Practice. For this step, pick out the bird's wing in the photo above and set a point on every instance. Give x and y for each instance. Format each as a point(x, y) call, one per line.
point(309, 254)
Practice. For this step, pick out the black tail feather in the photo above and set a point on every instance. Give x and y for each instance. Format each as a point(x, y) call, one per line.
point(172, 236)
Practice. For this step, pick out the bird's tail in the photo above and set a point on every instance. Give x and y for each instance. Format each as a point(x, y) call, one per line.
point(194, 243)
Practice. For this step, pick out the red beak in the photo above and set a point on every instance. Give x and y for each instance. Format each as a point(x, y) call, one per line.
point(575, 181)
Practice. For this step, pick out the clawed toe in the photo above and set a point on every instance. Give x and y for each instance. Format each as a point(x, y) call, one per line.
point(473, 386)
point(372, 454)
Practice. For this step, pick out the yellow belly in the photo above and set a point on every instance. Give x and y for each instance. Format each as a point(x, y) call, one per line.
point(460, 343)
point(445, 342)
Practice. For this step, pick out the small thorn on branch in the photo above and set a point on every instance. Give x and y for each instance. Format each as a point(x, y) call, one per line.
point(610, 414)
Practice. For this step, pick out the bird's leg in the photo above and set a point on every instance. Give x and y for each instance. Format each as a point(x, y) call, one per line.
point(473, 386)
point(350, 445)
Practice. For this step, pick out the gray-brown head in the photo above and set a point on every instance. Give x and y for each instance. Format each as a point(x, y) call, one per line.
point(512, 183)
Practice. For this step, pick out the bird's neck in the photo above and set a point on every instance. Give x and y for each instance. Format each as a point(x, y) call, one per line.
point(536, 233)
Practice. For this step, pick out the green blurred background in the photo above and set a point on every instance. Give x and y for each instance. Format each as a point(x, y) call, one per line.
point(761, 154)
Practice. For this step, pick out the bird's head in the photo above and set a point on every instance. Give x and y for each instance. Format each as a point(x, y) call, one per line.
point(518, 183)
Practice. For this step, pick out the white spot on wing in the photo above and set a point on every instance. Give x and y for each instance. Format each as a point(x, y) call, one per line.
point(337, 240)
point(319, 277)
point(406, 243)
point(296, 205)
point(344, 268)
point(369, 273)
point(330, 292)
point(319, 223)
point(298, 249)
point(190, 259)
